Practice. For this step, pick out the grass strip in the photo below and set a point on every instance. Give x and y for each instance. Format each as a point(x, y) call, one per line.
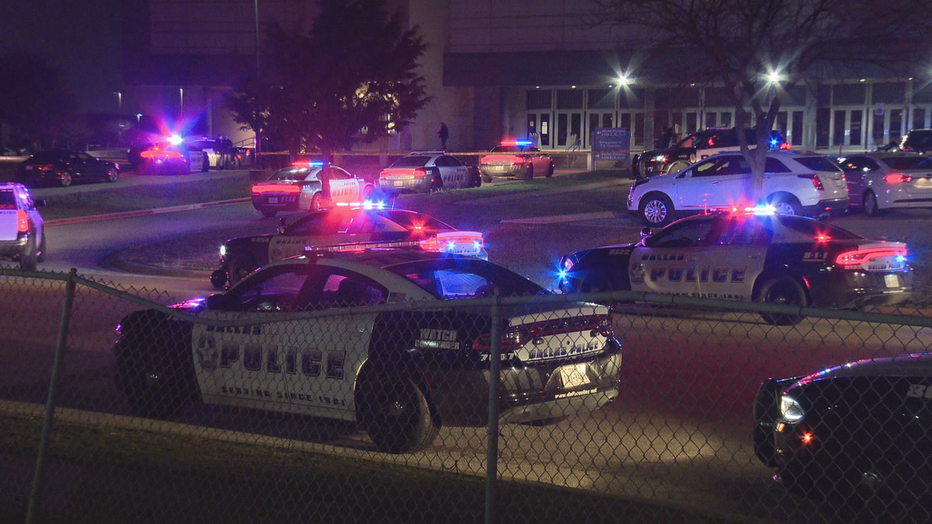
point(131, 475)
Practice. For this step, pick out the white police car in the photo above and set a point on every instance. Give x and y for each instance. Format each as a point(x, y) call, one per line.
point(309, 186)
point(427, 171)
point(794, 184)
point(402, 374)
point(750, 256)
point(22, 230)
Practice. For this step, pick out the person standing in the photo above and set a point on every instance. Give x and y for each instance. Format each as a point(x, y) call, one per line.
point(444, 134)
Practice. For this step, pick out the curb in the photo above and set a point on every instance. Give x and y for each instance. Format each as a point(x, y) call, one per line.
point(143, 212)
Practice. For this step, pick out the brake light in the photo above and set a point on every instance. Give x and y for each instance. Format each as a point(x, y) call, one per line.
point(420, 172)
point(816, 181)
point(518, 160)
point(158, 153)
point(46, 167)
point(22, 221)
point(866, 257)
point(785, 146)
point(897, 178)
point(258, 189)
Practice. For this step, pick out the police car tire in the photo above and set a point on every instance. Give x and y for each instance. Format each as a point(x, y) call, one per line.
point(785, 205)
point(40, 256)
point(317, 202)
point(152, 389)
point(529, 173)
point(870, 204)
point(65, 179)
point(113, 175)
point(486, 178)
point(240, 267)
point(656, 210)
point(550, 170)
point(676, 167)
point(396, 414)
point(782, 290)
point(436, 184)
point(27, 261)
point(205, 165)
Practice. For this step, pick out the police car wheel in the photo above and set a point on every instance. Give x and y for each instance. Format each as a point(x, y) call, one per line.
point(150, 388)
point(240, 267)
point(656, 210)
point(784, 291)
point(436, 184)
point(112, 175)
point(870, 204)
point(486, 178)
point(27, 261)
point(65, 179)
point(396, 414)
point(205, 165)
point(40, 256)
point(676, 167)
point(785, 206)
point(529, 173)
point(550, 170)
point(317, 202)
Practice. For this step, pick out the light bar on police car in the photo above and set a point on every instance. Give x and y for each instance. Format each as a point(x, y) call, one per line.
point(467, 243)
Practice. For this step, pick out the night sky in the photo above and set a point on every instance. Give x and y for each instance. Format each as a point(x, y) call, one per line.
point(81, 37)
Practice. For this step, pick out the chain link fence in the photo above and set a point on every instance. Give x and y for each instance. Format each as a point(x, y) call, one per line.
point(119, 406)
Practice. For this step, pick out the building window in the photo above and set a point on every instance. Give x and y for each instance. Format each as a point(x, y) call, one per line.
point(569, 99)
point(602, 99)
point(539, 99)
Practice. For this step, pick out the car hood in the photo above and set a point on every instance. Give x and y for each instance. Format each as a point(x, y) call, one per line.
point(910, 365)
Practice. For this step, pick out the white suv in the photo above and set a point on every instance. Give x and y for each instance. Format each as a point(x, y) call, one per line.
point(22, 230)
point(794, 183)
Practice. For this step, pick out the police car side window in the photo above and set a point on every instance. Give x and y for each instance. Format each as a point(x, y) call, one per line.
point(689, 233)
point(343, 290)
point(276, 291)
point(338, 174)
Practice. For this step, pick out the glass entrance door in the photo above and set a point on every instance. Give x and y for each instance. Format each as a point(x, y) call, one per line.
point(539, 128)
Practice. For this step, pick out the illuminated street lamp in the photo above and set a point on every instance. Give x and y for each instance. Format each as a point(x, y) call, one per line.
point(119, 101)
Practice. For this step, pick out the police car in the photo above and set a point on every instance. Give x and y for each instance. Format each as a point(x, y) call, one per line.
point(851, 432)
point(515, 158)
point(173, 157)
point(402, 374)
point(22, 230)
point(750, 255)
point(309, 186)
point(427, 171)
point(344, 228)
point(794, 183)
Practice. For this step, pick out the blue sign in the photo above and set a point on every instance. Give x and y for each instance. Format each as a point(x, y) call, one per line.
point(611, 143)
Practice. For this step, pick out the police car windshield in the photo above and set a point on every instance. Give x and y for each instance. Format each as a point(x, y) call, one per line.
point(453, 278)
point(291, 174)
point(411, 161)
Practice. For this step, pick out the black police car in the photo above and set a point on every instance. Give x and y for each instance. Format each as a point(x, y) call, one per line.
point(344, 228)
point(693, 148)
point(850, 432)
point(302, 340)
point(752, 255)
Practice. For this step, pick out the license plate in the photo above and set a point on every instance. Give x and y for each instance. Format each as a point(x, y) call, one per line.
point(273, 200)
point(891, 280)
point(399, 183)
point(574, 375)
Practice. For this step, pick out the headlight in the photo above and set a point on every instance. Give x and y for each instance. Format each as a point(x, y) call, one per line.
point(223, 250)
point(790, 409)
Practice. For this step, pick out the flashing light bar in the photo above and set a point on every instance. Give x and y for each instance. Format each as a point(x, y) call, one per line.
point(467, 243)
point(513, 142)
point(307, 163)
point(367, 205)
point(764, 210)
point(174, 139)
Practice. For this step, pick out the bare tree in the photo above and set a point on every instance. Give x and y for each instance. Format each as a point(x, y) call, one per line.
point(760, 49)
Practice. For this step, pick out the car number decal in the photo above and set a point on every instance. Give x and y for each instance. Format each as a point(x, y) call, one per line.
point(919, 391)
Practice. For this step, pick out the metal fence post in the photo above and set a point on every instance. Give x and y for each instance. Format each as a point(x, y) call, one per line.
point(53, 389)
point(495, 365)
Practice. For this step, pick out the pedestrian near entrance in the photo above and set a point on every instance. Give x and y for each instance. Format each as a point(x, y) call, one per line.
point(444, 134)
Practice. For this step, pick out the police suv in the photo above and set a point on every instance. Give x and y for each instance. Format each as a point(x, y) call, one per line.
point(305, 341)
point(854, 432)
point(753, 255)
point(22, 230)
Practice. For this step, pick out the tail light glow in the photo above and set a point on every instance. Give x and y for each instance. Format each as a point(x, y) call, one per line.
point(865, 255)
point(897, 178)
point(258, 189)
point(816, 181)
point(22, 221)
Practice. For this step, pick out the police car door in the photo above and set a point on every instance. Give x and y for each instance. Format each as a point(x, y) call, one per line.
point(343, 186)
point(731, 256)
point(452, 171)
point(667, 261)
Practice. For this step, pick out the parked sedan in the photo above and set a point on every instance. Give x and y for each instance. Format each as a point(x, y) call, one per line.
point(750, 256)
point(515, 158)
point(427, 171)
point(403, 374)
point(852, 432)
point(351, 228)
point(168, 158)
point(878, 182)
point(309, 187)
point(63, 167)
